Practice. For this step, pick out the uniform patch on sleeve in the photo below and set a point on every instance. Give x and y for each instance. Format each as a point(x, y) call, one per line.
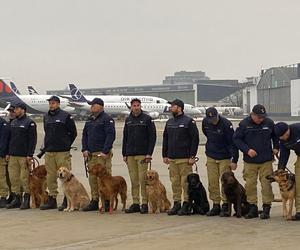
point(111, 121)
point(193, 121)
point(230, 126)
point(71, 117)
point(32, 124)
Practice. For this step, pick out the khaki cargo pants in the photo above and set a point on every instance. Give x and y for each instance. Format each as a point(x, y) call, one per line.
point(3, 183)
point(252, 171)
point(53, 161)
point(215, 169)
point(18, 173)
point(297, 173)
point(137, 172)
point(179, 169)
point(94, 159)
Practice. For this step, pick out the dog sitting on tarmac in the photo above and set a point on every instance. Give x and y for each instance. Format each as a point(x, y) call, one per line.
point(235, 194)
point(286, 182)
point(198, 202)
point(76, 194)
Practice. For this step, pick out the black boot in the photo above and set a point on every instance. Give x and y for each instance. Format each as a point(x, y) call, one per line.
point(266, 212)
point(253, 212)
point(144, 209)
point(176, 207)
point(185, 209)
point(296, 216)
point(216, 210)
point(25, 201)
point(9, 199)
point(51, 204)
point(16, 201)
point(63, 205)
point(3, 202)
point(134, 208)
point(92, 206)
point(225, 210)
point(106, 206)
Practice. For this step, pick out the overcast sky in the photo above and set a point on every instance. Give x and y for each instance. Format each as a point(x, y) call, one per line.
point(105, 43)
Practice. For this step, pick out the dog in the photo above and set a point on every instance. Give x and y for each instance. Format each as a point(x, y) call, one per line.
point(235, 194)
point(38, 186)
point(76, 194)
point(109, 188)
point(198, 202)
point(286, 182)
point(156, 193)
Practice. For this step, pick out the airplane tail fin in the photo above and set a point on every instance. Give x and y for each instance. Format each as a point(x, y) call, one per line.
point(14, 88)
point(32, 91)
point(76, 94)
point(5, 90)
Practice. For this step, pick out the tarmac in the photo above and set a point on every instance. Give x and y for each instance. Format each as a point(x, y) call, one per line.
point(35, 229)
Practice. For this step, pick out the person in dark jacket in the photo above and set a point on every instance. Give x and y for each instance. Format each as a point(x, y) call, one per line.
point(289, 136)
point(60, 133)
point(97, 142)
point(4, 139)
point(180, 146)
point(255, 137)
point(139, 137)
point(22, 143)
point(222, 155)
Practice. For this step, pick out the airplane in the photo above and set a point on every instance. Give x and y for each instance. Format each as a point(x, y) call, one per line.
point(32, 91)
point(36, 104)
point(14, 88)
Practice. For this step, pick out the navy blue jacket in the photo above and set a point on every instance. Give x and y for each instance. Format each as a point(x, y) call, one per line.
point(60, 131)
point(180, 138)
point(249, 135)
point(139, 135)
point(219, 143)
point(23, 137)
point(98, 134)
point(4, 137)
point(293, 143)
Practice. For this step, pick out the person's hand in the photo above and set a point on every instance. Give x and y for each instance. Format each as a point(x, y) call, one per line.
point(233, 166)
point(252, 153)
point(276, 152)
point(148, 158)
point(7, 157)
point(191, 161)
point(85, 154)
point(166, 160)
point(104, 156)
point(125, 159)
point(29, 160)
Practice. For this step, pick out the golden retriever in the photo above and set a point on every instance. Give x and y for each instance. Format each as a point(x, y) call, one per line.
point(38, 186)
point(76, 194)
point(109, 187)
point(156, 192)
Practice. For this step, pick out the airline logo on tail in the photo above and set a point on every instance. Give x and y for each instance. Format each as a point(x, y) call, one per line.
point(14, 88)
point(32, 91)
point(76, 94)
point(5, 90)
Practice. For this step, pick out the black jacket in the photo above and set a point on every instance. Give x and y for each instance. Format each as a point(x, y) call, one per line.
point(60, 131)
point(4, 137)
point(219, 143)
point(180, 138)
point(293, 143)
point(139, 135)
point(23, 137)
point(249, 135)
point(98, 134)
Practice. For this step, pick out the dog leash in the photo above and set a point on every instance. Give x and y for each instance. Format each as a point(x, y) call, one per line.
point(195, 164)
point(85, 160)
point(147, 162)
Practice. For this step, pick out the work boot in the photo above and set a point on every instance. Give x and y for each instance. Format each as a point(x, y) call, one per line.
point(106, 206)
point(185, 209)
point(63, 205)
point(225, 210)
point(144, 209)
point(3, 202)
point(51, 204)
point(25, 201)
point(253, 212)
point(176, 207)
point(266, 212)
point(134, 208)
point(16, 201)
point(92, 206)
point(296, 216)
point(216, 210)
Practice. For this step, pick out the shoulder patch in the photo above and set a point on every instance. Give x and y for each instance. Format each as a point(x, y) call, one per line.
point(193, 121)
point(71, 117)
point(32, 124)
point(111, 121)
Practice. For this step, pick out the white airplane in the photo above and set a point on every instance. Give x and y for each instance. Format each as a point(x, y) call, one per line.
point(35, 104)
point(230, 111)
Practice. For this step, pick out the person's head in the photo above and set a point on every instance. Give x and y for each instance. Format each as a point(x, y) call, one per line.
point(97, 105)
point(54, 102)
point(136, 107)
point(11, 112)
point(20, 109)
point(212, 115)
point(177, 107)
point(282, 131)
point(258, 114)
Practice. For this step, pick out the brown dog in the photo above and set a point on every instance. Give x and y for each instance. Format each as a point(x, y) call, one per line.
point(109, 187)
point(156, 192)
point(76, 194)
point(286, 182)
point(38, 186)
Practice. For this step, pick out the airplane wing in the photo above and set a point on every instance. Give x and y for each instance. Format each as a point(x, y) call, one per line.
point(75, 104)
point(66, 97)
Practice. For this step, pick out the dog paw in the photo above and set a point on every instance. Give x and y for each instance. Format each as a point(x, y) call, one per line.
point(66, 210)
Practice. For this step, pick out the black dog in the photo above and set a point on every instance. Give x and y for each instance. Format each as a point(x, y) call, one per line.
point(198, 203)
point(235, 194)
